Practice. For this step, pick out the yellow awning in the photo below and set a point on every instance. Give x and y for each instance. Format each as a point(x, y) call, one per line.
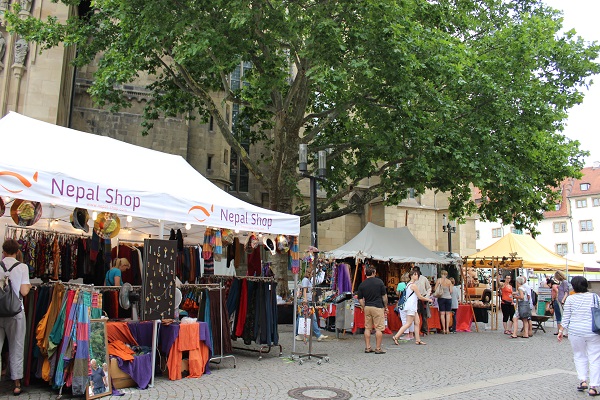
point(534, 255)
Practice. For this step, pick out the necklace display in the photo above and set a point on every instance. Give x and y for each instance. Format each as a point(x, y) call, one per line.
point(159, 279)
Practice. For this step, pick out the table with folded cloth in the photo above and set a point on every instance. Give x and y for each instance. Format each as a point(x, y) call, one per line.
point(130, 343)
point(175, 338)
point(464, 316)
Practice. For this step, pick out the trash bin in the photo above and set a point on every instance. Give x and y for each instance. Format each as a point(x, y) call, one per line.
point(344, 315)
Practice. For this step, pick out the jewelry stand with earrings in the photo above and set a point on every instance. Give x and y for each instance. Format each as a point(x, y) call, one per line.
point(308, 318)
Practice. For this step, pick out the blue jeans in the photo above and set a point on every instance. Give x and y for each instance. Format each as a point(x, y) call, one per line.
point(557, 311)
point(314, 325)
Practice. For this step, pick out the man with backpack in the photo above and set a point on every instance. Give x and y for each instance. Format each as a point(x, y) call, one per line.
point(16, 275)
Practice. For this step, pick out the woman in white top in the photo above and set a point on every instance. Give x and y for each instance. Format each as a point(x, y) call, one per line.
point(412, 295)
point(577, 318)
point(399, 289)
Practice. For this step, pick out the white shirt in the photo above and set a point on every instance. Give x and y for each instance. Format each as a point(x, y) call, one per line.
point(307, 283)
point(18, 276)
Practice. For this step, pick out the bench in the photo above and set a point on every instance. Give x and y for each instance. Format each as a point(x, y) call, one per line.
point(537, 321)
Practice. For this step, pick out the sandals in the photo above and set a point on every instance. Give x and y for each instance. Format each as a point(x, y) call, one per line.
point(507, 332)
point(595, 390)
point(514, 337)
point(420, 343)
point(582, 386)
point(380, 351)
point(17, 391)
point(368, 350)
point(395, 341)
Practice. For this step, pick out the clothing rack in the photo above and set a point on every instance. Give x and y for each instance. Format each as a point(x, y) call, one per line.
point(263, 348)
point(17, 227)
point(214, 286)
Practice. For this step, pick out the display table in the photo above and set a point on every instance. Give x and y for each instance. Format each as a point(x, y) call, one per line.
point(464, 316)
point(394, 322)
point(173, 343)
point(434, 322)
point(359, 321)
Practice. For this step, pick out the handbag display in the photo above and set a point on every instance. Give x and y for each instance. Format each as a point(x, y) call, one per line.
point(524, 309)
point(10, 302)
point(596, 315)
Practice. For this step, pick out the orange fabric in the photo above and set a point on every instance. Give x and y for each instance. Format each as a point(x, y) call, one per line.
point(188, 340)
point(120, 331)
point(197, 361)
point(189, 337)
point(119, 349)
point(45, 326)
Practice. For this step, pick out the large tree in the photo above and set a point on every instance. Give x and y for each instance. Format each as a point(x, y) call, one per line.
point(413, 94)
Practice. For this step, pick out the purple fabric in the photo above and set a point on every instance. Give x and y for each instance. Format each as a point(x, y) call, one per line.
point(142, 332)
point(562, 289)
point(168, 334)
point(140, 369)
point(344, 283)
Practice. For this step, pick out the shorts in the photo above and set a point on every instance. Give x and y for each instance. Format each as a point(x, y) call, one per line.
point(445, 305)
point(374, 318)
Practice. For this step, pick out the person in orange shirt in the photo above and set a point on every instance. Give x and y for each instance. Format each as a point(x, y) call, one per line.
point(508, 308)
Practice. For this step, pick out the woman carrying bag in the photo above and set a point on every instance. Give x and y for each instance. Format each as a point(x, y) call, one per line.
point(577, 318)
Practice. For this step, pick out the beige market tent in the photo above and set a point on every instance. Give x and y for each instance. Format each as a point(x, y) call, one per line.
point(533, 254)
point(396, 245)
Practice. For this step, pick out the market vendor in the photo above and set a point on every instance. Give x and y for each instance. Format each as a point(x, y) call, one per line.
point(113, 275)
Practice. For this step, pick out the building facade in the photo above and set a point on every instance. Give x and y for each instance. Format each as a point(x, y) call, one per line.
point(571, 229)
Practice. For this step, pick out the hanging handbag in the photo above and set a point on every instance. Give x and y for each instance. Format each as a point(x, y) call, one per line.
point(596, 315)
point(439, 291)
point(524, 309)
point(10, 302)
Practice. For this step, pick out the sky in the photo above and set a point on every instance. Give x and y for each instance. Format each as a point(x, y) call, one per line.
point(583, 121)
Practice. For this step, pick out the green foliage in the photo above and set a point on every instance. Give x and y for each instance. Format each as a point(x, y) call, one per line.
point(414, 94)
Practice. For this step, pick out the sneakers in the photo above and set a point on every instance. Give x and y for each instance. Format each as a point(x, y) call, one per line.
point(321, 338)
point(299, 338)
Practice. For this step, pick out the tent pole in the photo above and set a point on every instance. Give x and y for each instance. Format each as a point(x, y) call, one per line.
point(161, 229)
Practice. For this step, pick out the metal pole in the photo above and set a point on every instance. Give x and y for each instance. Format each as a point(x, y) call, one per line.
point(295, 322)
point(449, 239)
point(313, 211)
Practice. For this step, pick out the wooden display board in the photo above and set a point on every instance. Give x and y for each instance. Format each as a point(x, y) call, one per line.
point(158, 279)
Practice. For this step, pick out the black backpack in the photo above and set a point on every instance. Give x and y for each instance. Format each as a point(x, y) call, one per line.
point(10, 302)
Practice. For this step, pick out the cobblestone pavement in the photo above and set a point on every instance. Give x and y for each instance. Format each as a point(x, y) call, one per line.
point(473, 365)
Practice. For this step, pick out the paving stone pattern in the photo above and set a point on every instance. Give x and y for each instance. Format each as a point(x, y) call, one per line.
point(457, 366)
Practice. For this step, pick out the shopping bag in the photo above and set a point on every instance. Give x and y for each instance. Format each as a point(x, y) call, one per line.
point(524, 309)
point(303, 326)
point(596, 315)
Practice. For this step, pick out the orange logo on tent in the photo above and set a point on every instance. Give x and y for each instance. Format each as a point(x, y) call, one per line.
point(204, 211)
point(21, 179)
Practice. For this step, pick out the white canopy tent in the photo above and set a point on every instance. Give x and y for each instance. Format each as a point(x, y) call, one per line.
point(395, 245)
point(42, 162)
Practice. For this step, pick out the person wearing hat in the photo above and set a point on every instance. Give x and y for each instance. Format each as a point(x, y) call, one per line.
point(561, 297)
point(113, 275)
point(13, 328)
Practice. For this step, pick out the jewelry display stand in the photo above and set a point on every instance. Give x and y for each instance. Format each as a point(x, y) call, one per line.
point(320, 356)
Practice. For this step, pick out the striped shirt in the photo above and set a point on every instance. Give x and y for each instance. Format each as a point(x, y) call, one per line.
point(577, 314)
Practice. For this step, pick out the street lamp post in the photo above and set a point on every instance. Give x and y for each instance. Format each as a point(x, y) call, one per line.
point(314, 237)
point(447, 227)
point(303, 167)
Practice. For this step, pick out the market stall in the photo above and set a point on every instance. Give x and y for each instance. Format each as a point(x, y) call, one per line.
point(509, 253)
point(120, 182)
